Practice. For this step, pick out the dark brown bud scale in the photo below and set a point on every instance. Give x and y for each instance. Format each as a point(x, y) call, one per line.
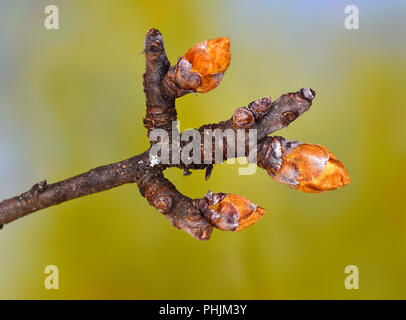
point(242, 118)
point(185, 78)
point(260, 107)
point(289, 116)
point(163, 203)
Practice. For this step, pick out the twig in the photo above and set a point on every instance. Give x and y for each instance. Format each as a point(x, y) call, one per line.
point(162, 85)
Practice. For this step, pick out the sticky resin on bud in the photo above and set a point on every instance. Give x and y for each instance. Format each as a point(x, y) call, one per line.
point(230, 212)
point(306, 167)
point(210, 59)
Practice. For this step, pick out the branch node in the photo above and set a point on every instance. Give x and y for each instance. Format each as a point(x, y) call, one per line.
point(40, 186)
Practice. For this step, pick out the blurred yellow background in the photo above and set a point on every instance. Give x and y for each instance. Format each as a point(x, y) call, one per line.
point(72, 99)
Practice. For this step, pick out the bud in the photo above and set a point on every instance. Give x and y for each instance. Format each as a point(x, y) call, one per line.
point(210, 59)
point(230, 212)
point(306, 167)
point(260, 107)
point(163, 203)
point(242, 118)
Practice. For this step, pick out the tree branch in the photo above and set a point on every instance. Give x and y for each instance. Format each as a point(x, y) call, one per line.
point(160, 108)
point(42, 195)
point(159, 192)
point(162, 85)
point(150, 180)
point(266, 117)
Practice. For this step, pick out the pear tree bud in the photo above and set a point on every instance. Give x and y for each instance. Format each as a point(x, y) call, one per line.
point(230, 212)
point(260, 107)
point(306, 167)
point(243, 118)
point(210, 59)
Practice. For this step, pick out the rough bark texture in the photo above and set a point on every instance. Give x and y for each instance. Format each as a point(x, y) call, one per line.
point(160, 108)
point(161, 90)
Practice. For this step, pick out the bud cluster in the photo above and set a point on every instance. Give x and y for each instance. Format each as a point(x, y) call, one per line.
point(307, 167)
point(244, 118)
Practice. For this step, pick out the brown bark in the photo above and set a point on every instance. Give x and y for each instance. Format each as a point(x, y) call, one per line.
point(160, 108)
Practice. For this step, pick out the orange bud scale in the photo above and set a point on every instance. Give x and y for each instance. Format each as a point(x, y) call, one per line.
point(210, 59)
point(232, 212)
point(305, 167)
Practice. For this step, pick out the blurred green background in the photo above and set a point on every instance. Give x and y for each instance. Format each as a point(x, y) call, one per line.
point(72, 99)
